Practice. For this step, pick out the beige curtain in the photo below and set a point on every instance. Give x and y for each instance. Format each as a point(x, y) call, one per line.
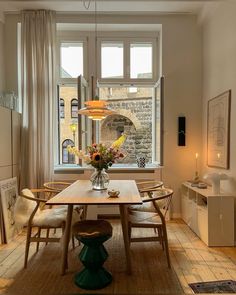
point(38, 38)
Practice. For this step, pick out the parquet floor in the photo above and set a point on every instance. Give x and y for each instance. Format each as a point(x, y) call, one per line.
point(192, 261)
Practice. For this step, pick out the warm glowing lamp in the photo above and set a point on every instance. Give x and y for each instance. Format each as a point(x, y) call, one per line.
point(96, 110)
point(196, 177)
point(73, 128)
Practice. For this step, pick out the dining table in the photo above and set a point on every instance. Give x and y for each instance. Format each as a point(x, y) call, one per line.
point(81, 193)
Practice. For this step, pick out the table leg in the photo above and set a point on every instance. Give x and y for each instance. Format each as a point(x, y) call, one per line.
point(66, 239)
point(124, 223)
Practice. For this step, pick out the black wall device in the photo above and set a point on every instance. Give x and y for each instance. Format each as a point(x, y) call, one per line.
point(181, 131)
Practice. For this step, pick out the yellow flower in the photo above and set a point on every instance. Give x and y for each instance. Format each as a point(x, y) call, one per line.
point(96, 157)
point(118, 143)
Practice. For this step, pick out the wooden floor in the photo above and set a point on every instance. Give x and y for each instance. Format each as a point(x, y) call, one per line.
point(192, 261)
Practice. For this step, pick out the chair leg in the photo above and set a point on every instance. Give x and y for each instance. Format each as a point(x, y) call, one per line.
point(29, 230)
point(84, 213)
point(129, 232)
point(160, 237)
point(39, 234)
point(166, 246)
point(47, 234)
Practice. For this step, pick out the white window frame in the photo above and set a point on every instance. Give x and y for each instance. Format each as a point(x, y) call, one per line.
point(127, 41)
point(90, 44)
point(72, 39)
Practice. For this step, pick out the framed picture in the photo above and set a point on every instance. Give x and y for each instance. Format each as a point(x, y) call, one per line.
point(9, 194)
point(218, 127)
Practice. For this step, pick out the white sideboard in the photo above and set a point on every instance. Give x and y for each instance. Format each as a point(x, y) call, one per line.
point(210, 216)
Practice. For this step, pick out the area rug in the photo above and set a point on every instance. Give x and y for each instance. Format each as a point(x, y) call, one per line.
point(226, 286)
point(150, 275)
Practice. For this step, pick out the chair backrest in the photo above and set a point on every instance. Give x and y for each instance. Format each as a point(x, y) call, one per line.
point(27, 205)
point(161, 199)
point(24, 207)
point(56, 186)
point(149, 184)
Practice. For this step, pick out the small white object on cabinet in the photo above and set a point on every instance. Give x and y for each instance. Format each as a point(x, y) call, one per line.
point(210, 216)
point(215, 179)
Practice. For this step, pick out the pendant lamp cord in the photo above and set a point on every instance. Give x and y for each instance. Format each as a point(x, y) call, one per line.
point(96, 79)
point(86, 5)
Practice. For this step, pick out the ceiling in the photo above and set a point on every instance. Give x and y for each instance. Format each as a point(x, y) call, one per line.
point(110, 6)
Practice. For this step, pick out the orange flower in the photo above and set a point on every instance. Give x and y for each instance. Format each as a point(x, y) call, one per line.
point(96, 157)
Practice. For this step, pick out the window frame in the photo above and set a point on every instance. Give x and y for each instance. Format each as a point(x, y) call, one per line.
point(71, 106)
point(71, 38)
point(60, 105)
point(68, 154)
point(127, 41)
point(90, 44)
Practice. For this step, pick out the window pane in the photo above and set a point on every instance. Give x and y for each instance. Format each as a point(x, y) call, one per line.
point(62, 108)
point(74, 108)
point(67, 158)
point(67, 136)
point(69, 128)
point(71, 60)
point(141, 60)
point(112, 59)
point(120, 93)
point(134, 117)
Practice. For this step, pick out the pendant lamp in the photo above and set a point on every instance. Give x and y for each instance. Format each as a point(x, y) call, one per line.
point(95, 109)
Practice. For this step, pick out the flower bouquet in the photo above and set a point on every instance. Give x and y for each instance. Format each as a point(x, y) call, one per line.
point(101, 158)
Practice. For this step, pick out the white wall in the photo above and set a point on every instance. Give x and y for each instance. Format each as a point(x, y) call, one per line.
point(219, 74)
point(181, 66)
point(2, 58)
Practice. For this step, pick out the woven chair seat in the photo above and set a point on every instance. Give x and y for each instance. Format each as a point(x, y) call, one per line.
point(137, 217)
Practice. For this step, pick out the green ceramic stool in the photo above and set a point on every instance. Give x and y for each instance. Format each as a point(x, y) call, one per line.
point(93, 233)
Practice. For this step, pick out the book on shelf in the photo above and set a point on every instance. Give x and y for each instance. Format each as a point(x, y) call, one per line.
point(197, 184)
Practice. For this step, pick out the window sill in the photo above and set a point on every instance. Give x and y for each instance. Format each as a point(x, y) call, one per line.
point(117, 168)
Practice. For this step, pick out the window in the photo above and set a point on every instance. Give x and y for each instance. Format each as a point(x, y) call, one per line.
point(138, 116)
point(67, 158)
point(62, 108)
point(65, 132)
point(112, 60)
point(72, 59)
point(141, 60)
point(131, 60)
point(127, 74)
point(74, 108)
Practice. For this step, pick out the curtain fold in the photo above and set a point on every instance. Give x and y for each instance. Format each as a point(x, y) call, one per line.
point(38, 47)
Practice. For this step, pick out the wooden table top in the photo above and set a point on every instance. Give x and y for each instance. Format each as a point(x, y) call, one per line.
point(81, 193)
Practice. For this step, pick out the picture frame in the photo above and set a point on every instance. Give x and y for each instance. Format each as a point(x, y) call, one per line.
point(218, 130)
point(9, 195)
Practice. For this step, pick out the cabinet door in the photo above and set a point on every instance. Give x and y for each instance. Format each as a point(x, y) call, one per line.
point(221, 221)
point(184, 208)
point(194, 216)
point(203, 223)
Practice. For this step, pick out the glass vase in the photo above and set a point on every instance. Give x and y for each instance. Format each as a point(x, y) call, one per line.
point(99, 179)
